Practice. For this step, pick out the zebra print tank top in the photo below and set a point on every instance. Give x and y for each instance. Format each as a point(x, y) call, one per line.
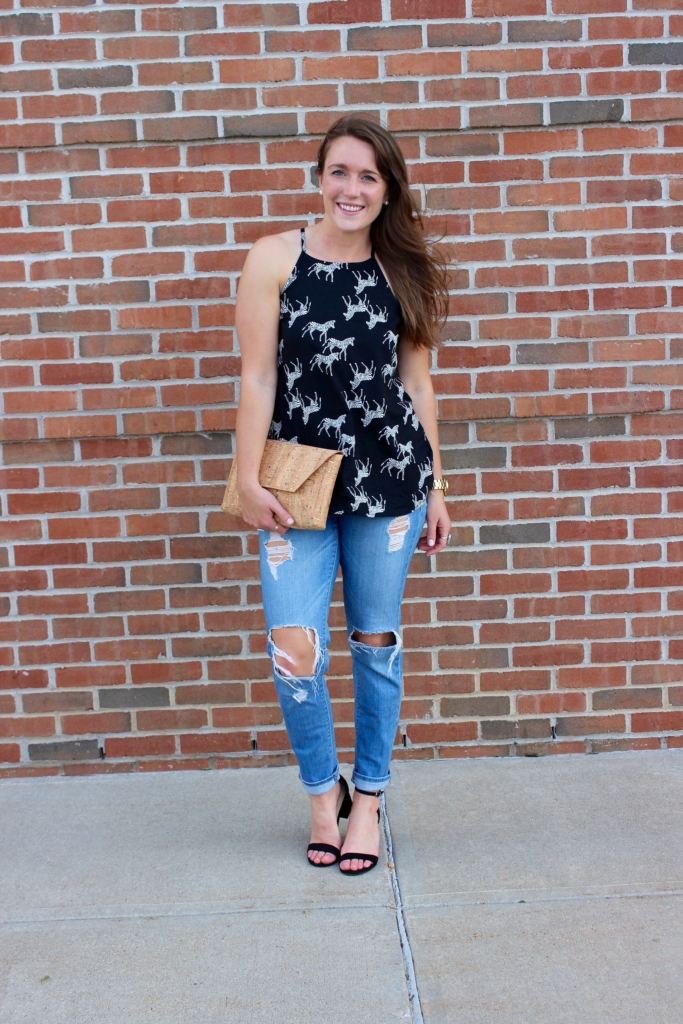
point(338, 385)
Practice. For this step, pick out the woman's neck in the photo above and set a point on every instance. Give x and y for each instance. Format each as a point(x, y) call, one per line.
point(327, 242)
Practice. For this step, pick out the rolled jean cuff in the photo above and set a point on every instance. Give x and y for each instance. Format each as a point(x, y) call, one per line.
point(317, 788)
point(370, 785)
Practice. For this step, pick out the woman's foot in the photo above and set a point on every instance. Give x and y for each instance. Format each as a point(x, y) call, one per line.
point(362, 834)
point(324, 828)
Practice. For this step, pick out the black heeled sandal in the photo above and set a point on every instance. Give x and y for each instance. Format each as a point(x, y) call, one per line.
point(344, 811)
point(361, 856)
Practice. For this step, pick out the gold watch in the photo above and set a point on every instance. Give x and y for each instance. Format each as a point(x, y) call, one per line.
point(440, 485)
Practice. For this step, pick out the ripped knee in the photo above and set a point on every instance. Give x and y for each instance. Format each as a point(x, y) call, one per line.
point(374, 639)
point(295, 651)
point(376, 642)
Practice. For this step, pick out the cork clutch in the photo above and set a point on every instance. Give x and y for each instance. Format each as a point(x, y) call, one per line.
point(301, 477)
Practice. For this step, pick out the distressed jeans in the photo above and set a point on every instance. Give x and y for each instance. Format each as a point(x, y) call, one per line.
point(298, 571)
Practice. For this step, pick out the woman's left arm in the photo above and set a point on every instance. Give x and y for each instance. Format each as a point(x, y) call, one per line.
point(413, 369)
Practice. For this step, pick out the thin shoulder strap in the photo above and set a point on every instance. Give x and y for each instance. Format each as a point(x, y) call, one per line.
point(303, 239)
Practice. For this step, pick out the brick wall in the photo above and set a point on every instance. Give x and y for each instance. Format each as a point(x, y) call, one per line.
point(144, 148)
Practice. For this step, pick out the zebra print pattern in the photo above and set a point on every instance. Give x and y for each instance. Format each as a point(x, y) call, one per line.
point(338, 385)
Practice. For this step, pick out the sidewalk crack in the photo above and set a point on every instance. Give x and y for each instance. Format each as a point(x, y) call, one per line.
point(408, 963)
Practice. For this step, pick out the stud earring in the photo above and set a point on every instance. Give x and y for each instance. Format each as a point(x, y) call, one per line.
point(386, 202)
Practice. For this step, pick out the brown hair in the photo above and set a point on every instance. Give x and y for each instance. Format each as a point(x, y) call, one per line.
point(417, 275)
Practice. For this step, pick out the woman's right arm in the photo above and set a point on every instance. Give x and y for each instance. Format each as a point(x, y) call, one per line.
point(257, 317)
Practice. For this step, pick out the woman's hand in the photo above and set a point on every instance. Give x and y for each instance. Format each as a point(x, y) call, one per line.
point(260, 508)
point(438, 525)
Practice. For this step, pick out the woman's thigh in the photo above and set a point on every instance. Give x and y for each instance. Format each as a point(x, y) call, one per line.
point(375, 555)
point(298, 571)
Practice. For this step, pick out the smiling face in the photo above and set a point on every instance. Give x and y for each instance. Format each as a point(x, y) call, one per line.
point(353, 189)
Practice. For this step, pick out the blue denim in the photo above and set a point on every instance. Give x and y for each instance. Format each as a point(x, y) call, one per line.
point(298, 570)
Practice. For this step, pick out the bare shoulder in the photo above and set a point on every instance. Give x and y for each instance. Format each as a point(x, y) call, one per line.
point(274, 256)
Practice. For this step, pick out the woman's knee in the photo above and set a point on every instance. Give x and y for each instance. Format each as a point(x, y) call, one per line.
point(374, 639)
point(296, 650)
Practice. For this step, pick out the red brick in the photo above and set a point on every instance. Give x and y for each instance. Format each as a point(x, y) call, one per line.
point(316, 41)
point(506, 381)
point(527, 680)
point(20, 678)
point(144, 210)
point(35, 241)
point(516, 583)
point(614, 604)
point(185, 73)
point(18, 479)
point(101, 21)
point(98, 131)
point(499, 9)
point(625, 28)
point(623, 82)
point(211, 743)
point(459, 90)
point(592, 326)
point(426, 9)
point(550, 703)
point(667, 527)
point(104, 721)
point(561, 194)
point(49, 107)
point(586, 166)
point(514, 328)
point(142, 48)
point(582, 580)
point(590, 725)
point(592, 676)
point(643, 650)
point(140, 746)
point(572, 57)
point(666, 625)
point(547, 455)
point(657, 721)
point(163, 524)
point(424, 119)
point(220, 44)
point(545, 141)
point(613, 529)
point(441, 732)
point(532, 86)
point(549, 248)
point(100, 239)
point(424, 64)
point(505, 170)
point(54, 51)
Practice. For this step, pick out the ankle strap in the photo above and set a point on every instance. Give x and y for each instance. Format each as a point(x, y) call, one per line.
point(366, 792)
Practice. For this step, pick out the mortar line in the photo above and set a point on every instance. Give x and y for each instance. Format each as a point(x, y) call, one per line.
point(408, 963)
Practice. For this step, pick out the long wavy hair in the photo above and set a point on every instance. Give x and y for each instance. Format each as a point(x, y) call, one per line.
point(417, 274)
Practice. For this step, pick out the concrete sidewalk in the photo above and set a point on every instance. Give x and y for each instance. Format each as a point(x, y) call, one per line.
point(532, 890)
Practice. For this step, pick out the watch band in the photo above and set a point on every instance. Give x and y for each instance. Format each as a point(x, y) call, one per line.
point(440, 484)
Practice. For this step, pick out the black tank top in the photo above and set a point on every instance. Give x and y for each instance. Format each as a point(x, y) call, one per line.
point(338, 385)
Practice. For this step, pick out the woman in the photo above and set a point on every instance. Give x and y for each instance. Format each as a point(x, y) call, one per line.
point(335, 326)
